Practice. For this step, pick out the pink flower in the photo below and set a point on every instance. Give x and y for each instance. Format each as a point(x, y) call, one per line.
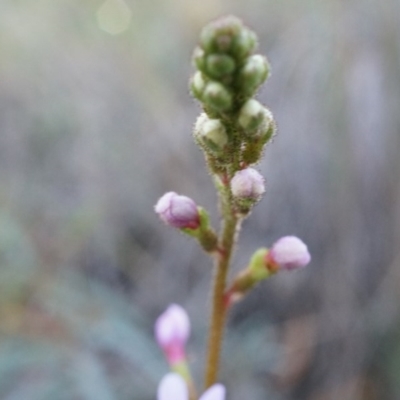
point(172, 330)
point(173, 387)
point(178, 211)
point(289, 253)
point(247, 183)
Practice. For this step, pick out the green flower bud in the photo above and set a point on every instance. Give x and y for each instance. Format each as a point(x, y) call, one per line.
point(256, 142)
point(199, 59)
point(214, 134)
point(267, 126)
point(198, 126)
point(197, 85)
point(244, 44)
point(217, 96)
point(218, 35)
point(251, 115)
point(219, 65)
point(254, 72)
point(210, 133)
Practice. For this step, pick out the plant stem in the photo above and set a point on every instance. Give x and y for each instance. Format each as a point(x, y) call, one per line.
point(182, 368)
point(221, 268)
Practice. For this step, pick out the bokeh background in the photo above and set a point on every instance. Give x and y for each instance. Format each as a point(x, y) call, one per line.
point(95, 125)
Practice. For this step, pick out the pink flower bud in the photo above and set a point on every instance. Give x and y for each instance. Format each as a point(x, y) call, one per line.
point(173, 387)
point(172, 330)
point(289, 253)
point(247, 184)
point(178, 211)
point(215, 392)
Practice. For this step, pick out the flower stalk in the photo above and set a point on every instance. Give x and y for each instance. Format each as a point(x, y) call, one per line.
point(232, 132)
point(218, 310)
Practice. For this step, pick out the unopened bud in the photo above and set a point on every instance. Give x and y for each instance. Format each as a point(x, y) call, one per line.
point(267, 128)
point(218, 35)
point(217, 96)
point(257, 139)
point(197, 85)
point(219, 65)
point(288, 253)
point(198, 126)
point(244, 44)
point(212, 134)
point(267, 123)
point(251, 115)
point(199, 58)
point(172, 387)
point(172, 330)
point(254, 72)
point(178, 211)
point(247, 184)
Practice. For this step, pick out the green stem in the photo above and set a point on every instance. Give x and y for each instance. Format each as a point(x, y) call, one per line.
point(182, 368)
point(221, 268)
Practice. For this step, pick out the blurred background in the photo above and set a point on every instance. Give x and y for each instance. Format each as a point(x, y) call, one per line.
point(95, 125)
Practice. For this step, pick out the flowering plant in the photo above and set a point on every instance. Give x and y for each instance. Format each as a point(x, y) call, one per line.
point(232, 131)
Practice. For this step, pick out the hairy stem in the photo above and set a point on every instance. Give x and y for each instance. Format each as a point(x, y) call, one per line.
point(221, 268)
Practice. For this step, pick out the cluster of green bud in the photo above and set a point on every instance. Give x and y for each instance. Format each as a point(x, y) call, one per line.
point(234, 127)
point(227, 71)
